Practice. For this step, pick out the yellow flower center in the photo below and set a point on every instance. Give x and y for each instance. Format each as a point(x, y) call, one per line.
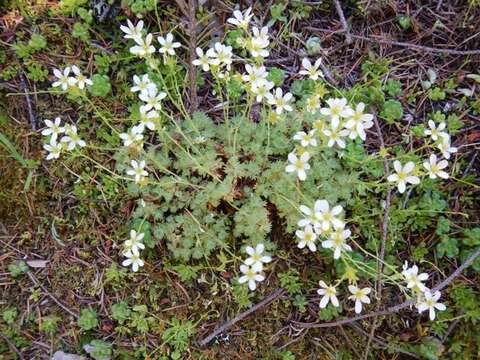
point(330, 291)
point(402, 175)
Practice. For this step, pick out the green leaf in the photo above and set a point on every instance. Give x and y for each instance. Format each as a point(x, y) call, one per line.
point(436, 94)
point(101, 85)
point(448, 246)
point(17, 268)
point(100, 350)
point(178, 334)
point(472, 237)
point(404, 22)
point(81, 31)
point(277, 12)
point(276, 76)
point(392, 110)
point(233, 37)
point(121, 312)
point(186, 272)
point(313, 45)
point(9, 315)
point(393, 87)
point(88, 319)
point(37, 42)
point(11, 150)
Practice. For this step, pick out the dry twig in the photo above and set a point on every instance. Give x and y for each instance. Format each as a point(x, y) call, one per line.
point(55, 300)
point(12, 346)
point(382, 343)
point(192, 71)
point(31, 116)
point(346, 30)
point(227, 325)
point(381, 257)
point(380, 40)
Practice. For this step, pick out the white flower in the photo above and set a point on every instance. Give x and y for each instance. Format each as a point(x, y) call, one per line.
point(337, 108)
point(132, 136)
point(144, 47)
point(445, 148)
point(53, 128)
point(430, 302)
point(358, 122)
point(298, 165)
point(133, 258)
point(359, 296)
point(329, 294)
point(80, 79)
point(313, 216)
point(250, 276)
point(220, 54)
point(337, 242)
point(255, 74)
point(436, 132)
point(132, 31)
point(152, 98)
point(261, 89)
point(306, 139)
point(64, 81)
point(307, 238)
point(328, 217)
point(142, 84)
point(135, 242)
point(148, 119)
point(413, 278)
point(168, 46)
point(72, 139)
point(436, 169)
point(256, 259)
point(259, 43)
point(312, 71)
point(335, 136)
point(279, 100)
point(204, 60)
point(137, 170)
point(54, 149)
point(258, 48)
point(262, 34)
point(241, 20)
point(403, 175)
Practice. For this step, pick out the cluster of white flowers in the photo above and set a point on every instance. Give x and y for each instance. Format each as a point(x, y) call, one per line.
point(68, 142)
point(337, 122)
point(441, 138)
point(131, 250)
point(426, 299)
point(326, 223)
point(149, 119)
point(143, 47)
point(257, 41)
point(435, 169)
point(149, 111)
point(65, 81)
point(342, 121)
point(218, 60)
point(252, 267)
point(329, 294)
